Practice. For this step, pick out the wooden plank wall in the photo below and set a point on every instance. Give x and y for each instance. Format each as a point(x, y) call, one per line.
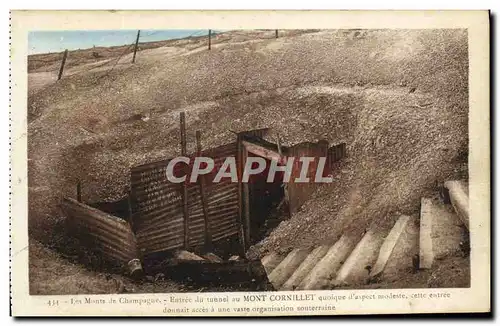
point(298, 193)
point(109, 235)
point(157, 208)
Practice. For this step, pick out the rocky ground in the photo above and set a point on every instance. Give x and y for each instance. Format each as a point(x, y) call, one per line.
point(397, 98)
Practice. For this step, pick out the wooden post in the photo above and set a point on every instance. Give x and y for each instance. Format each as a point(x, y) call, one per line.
point(134, 265)
point(136, 44)
point(209, 39)
point(65, 55)
point(184, 185)
point(286, 197)
point(129, 203)
point(276, 33)
point(239, 164)
point(289, 187)
point(246, 201)
point(246, 205)
point(79, 191)
point(279, 145)
point(208, 232)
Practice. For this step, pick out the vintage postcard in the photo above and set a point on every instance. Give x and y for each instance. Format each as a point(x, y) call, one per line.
point(249, 163)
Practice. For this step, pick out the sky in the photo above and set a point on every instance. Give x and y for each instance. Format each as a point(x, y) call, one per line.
point(57, 41)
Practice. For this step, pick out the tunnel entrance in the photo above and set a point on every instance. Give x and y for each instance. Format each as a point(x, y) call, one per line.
point(266, 204)
point(266, 201)
point(237, 216)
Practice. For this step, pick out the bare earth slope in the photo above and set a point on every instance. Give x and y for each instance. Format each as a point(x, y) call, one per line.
point(397, 98)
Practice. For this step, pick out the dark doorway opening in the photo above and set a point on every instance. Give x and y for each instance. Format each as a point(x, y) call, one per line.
point(266, 201)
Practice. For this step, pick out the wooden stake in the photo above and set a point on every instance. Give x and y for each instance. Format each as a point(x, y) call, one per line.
point(79, 191)
point(65, 55)
point(276, 32)
point(208, 232)
point(129, 203)
point(239, 164)
point(246, 202)
point(136, 44)
point(279, 145)
point(246, 216)
point(209, 39)
point(184, 186)
point(285, 185)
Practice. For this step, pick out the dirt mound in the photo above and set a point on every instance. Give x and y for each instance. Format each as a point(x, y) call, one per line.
point(400, 151)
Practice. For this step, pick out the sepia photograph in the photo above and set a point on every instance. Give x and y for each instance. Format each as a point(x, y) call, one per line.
point(271, 162)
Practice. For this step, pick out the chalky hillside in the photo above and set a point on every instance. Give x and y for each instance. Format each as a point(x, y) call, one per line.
point(398, 99)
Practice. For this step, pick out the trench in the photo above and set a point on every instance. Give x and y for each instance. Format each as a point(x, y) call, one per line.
point(265, 201)
point(240, 275)
point(266, 208)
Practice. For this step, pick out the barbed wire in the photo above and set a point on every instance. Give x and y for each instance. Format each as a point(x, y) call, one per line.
point(114, 62)
point(198, 32)
point(44, 60)
point(167, 39)
point(150, 34)
point(102, 64)
point(243, 32)
point(117, 60)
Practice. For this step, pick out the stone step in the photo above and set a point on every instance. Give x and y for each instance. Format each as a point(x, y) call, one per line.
point(305, 267)
point(271, 261)
point(404, 256)
point(326, 269)
point(287, 267)
point(211, 257)
point(187, 255)
point(356, 269)
point(442, 233)
point(389, 245)
point(459, 197)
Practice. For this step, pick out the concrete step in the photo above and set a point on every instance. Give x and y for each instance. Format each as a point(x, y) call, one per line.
point(459, 197)
point(389, 244)
point(287, 267)
point(442, 233)
point(326, 269)
point(305, 267)
point(271, 261)
point(426, 252)
point(356, 269)
point(404, 256)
